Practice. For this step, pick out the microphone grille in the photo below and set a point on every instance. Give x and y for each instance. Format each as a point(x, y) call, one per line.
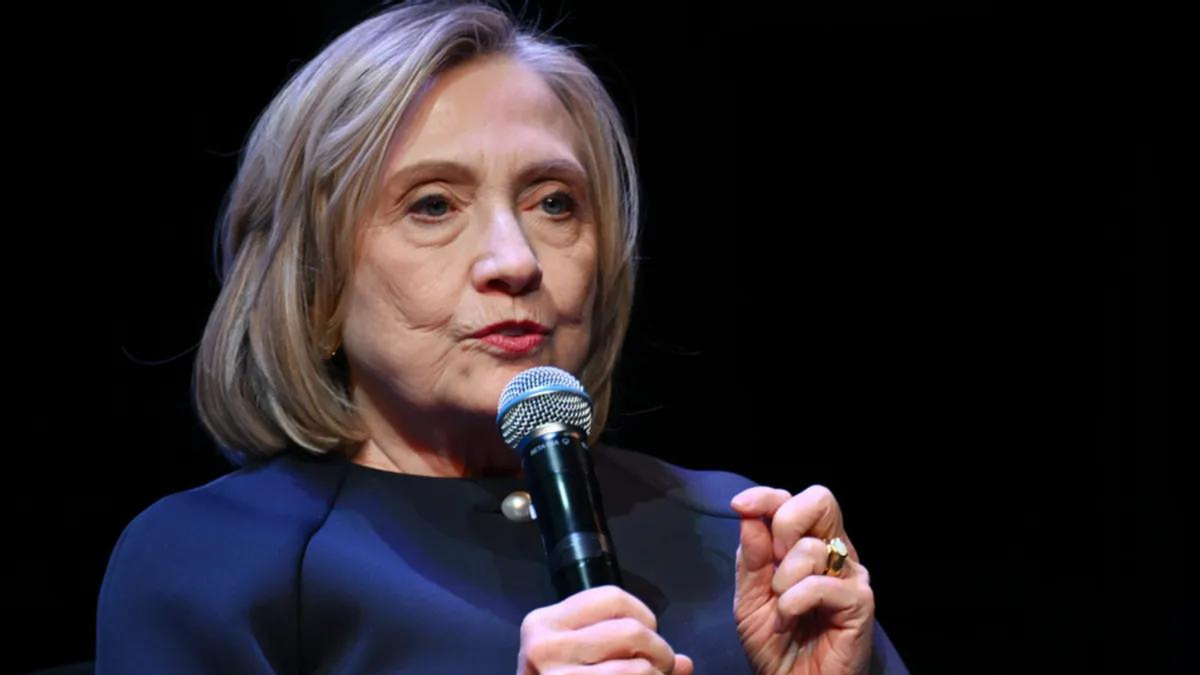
point(538, 396)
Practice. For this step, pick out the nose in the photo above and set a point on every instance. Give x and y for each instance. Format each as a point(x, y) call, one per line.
point(508, 263)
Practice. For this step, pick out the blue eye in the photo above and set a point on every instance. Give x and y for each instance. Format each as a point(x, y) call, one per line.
point(559, 203)
point(434, 206)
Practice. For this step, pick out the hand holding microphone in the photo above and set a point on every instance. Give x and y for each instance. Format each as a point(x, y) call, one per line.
point(605, 629)
point(545, 415)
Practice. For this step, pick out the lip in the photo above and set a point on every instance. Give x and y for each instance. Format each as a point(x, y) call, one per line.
point(533, 334)
point(526, 327)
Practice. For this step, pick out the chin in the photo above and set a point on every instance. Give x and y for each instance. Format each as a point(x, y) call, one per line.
point(491, 388)
point(502, 373)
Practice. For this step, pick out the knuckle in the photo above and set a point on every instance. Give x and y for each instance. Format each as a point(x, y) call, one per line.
point(541, 652)
point(823, 495)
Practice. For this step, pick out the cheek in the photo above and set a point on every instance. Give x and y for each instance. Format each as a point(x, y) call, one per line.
point(406, 289)
point(399, 310)
point(574, 280)
point(574, 289)
point(422, 299)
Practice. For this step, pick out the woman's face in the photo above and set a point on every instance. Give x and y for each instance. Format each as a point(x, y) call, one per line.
point(478, 259)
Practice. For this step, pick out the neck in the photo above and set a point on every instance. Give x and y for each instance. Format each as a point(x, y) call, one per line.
point(449, 444)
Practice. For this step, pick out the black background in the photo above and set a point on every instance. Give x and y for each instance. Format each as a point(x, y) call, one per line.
point(902, 258)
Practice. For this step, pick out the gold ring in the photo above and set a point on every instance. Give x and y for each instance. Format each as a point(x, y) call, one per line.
point(835, 565)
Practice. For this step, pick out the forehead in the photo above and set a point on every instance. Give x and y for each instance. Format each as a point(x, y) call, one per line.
point(492, 106)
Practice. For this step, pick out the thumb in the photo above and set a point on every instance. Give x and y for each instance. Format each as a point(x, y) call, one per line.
point(756, 553)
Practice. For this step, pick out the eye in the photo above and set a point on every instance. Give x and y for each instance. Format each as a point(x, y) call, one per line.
point(432, 206)
point(558, 204)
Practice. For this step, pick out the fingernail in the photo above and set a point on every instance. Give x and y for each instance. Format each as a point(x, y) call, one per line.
point(741, 502)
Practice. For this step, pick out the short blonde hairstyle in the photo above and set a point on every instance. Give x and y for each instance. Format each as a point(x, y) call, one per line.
point(262, 379)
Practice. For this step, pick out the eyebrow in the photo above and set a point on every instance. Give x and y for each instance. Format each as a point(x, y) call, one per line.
point(563, 169)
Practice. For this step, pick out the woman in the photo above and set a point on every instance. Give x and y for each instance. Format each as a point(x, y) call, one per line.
point(436, 203)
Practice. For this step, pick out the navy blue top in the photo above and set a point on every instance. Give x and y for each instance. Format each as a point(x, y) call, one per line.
point(306, 564)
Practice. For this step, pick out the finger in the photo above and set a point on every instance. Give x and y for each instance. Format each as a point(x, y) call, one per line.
point(683, 666)
point(595, 605)
point(617, 639)
point(754, 564)
point(812, 513)
point(807, 557)
point(850, 602)
point(759, 501)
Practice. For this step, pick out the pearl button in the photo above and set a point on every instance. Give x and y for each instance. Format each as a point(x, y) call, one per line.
point(517, 507)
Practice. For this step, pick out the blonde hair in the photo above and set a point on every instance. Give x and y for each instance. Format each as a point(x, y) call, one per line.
point(262, 379)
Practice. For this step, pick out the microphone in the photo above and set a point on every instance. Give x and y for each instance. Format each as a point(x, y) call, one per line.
point(545, 415)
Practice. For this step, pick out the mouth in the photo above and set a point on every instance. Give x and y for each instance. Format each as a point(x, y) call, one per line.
point(513, 338)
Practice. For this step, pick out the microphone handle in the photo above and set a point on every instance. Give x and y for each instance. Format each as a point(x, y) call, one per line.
point(570, 514)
